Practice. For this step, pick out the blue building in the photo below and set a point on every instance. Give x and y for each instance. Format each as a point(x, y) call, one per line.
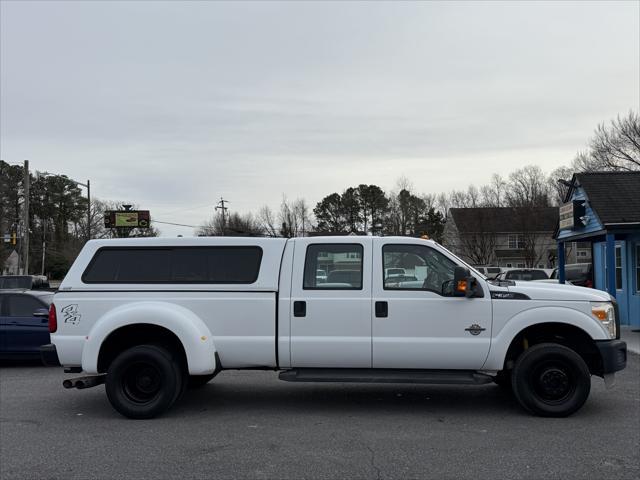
point(603, 208)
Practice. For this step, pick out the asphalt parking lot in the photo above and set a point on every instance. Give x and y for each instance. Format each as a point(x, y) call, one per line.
point(251, 425)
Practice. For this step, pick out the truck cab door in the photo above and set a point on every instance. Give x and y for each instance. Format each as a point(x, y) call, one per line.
point(416, 324)
point(330, 307)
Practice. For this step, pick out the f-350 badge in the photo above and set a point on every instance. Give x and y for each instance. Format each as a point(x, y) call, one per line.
point(71, 314)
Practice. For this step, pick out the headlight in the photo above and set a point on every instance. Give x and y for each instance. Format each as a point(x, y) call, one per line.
point(606, 315)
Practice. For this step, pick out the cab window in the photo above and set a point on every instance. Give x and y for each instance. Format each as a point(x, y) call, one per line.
point(422, 267)
point(333, 267)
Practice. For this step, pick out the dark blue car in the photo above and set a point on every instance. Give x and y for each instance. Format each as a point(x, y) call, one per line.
point(24, 323)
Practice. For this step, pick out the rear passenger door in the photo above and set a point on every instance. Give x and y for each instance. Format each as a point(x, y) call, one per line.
point(331, 312)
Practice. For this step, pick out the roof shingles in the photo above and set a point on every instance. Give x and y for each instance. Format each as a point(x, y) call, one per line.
point(505, 219)
point(615, 196)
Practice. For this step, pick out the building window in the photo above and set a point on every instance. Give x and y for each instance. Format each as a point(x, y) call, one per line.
point(521, 265)
point(509, 265)
point(516, 242)
point(618, 267)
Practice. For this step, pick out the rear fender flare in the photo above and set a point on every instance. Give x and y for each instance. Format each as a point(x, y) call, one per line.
point(194, 335)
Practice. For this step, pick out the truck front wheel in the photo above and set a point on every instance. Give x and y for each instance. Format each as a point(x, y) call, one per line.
point(551, 380)
point(144, 381)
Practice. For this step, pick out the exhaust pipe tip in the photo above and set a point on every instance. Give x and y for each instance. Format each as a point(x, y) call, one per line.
point(84, 382)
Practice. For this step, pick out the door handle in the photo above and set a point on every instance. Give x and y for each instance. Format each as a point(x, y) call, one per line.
point(299, 308)
point(382, 309)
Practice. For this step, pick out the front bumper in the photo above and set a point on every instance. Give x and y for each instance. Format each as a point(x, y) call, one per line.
point(613, 354)
point(49, 355)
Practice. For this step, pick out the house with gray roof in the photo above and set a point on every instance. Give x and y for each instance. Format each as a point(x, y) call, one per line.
point(503, 236)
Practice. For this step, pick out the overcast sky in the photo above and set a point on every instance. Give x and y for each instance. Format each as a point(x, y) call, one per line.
point(174, 104)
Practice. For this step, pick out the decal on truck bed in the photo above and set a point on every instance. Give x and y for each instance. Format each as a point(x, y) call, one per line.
point(71, 314)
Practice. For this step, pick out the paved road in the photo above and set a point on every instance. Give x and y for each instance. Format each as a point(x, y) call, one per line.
point(250, 425)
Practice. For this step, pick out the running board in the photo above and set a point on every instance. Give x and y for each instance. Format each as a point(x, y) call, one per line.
point(362, 375)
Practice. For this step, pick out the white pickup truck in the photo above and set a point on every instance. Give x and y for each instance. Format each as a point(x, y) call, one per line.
point(148, 317)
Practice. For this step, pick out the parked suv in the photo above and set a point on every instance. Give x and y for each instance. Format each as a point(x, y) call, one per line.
point(489, 272)
point(523, 274)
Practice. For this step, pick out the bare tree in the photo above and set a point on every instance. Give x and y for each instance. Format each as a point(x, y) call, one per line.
point(582, 162)
point(459, 199)
point(557, 190)
point(403, 183)
point(492, 194)
point(473, 196)
point(617, 147)
point(234, 225)
point(443, 203)
point(429, 200)
point(527, 187)
point(302, 214)
point(294, 217)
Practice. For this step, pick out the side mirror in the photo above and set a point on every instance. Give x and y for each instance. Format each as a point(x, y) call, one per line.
point(464, 285)
point(41, 312)
point(460, 283)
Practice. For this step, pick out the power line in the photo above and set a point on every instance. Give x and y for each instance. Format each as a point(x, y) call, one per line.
point(177, 224)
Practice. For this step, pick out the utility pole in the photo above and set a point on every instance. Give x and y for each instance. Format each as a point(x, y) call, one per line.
point(44, 242)
point(88, 211)
point(223, 210)
point(25, 235)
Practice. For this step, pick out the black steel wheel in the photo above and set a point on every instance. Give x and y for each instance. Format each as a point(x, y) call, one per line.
point(144, 381)
point(551, 380)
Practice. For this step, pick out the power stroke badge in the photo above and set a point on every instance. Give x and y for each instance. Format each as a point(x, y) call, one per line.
point(71, 314)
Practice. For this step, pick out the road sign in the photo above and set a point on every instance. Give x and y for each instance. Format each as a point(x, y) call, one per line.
point(127, 219)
